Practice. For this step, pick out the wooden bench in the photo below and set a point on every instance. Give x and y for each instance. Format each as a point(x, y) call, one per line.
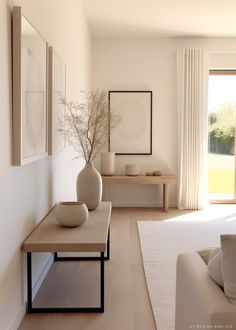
point(165, 180)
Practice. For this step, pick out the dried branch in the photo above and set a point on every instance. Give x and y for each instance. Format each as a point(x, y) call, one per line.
point(87, 125)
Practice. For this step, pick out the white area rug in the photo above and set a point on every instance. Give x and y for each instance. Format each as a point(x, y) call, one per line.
point(162, 241)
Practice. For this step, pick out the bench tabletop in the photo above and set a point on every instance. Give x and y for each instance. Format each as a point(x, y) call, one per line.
point(49, 236)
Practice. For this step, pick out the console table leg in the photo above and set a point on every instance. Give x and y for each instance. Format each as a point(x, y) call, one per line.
point(29, 281)
point(165, 197)
point(107, 257)
point(102, 286)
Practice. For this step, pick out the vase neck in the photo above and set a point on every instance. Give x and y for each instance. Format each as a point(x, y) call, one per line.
point(89, 164)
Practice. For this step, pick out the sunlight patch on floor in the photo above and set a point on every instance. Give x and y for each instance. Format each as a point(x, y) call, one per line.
point(210, 213)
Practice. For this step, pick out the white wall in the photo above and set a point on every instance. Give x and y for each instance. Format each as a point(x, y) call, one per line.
point(28, 192)
point(150, 64)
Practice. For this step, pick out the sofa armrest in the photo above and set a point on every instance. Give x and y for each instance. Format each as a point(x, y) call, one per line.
point(199, 300)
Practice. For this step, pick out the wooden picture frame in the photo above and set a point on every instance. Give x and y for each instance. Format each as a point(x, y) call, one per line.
point(133, 134)
point(29, 92)
point(56, 93)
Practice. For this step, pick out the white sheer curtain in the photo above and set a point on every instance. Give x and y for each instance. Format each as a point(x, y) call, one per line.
point(192, 92)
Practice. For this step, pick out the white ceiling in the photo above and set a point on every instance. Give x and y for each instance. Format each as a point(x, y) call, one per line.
point(161, 18)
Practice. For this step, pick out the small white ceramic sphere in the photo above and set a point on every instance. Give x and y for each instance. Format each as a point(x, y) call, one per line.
point(132, 169)
point(71, 214)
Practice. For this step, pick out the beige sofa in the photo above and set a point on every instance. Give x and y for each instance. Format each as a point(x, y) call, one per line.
point(200, 302)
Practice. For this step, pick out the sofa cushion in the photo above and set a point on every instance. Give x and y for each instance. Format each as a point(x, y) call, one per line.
point(208, 253)
point(213, 253)
point(228, 245)
point(215, 266)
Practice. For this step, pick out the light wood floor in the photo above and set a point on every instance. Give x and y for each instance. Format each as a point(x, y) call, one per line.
point(127, 303)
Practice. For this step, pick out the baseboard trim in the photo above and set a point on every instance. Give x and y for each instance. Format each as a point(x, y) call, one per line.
point(18, 318)
point(42, 275)
point(21, 312)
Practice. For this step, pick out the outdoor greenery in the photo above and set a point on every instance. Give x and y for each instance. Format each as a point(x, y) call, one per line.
point(222, 129)
point(221, 149)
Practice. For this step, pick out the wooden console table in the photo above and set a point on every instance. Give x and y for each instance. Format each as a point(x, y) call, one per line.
point(165, 180)
point(49, 236)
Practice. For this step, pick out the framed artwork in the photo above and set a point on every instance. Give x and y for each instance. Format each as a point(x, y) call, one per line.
point(133, 134)
point(56, 93)
point(29, 92)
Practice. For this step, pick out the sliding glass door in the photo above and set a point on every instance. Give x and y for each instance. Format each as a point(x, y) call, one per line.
point(221, 135)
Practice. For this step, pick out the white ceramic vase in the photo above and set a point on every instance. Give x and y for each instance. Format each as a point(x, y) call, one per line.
point(71, 214)
point(107, 163)
point(89, 186)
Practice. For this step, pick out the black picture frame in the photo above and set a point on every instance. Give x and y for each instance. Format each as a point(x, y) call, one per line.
point(136, 138)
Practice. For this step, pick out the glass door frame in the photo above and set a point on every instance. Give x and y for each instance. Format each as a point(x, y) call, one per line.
point(225, 72)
